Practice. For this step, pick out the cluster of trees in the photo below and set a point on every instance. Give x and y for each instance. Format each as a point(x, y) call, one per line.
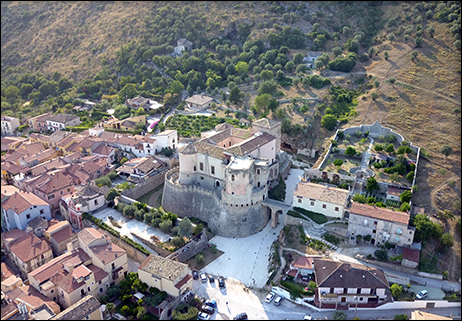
point(193, 125)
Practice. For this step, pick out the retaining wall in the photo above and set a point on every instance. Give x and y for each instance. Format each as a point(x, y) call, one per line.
point(146, 186)
point(430, 275)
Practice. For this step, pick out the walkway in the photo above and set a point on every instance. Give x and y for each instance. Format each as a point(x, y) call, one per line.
point(367, 155)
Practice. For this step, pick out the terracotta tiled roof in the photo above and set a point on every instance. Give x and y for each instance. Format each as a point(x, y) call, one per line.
point(322, 193)
point(223, 126)
point(107, 255)
point(55, 183)
point(183, 281)
point(251, 144)
point(33, 298)
point(162, 267)
point(394, 191)
point(41, 156)
point(80, 309)
point(212, 150)
point(37, 221)
point(266, 122)
point(199, 99)
point(411, 254)
point(11, 235)
point(89, 234)
point(380, 213)
point(103, 150)
point(303, 262)
point(32, 148)
point(21, 201)
point(6, 271)
point(71, 137)
point(9, 310)
point(86, 143)
point(62, 118)
point(11, 167)
point(80, 271)
point(64, 234)
point(29, 247)
point(98, 272)
point(57, 136)
point(46, 271)
point(334, 274)
point(188, 149)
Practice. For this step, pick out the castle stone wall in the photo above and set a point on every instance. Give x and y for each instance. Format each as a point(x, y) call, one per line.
point(195, 201)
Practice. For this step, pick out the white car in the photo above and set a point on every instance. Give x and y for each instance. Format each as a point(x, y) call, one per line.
point(203, 316)
point(422, 294)
point(270, 297)
point(203, 277)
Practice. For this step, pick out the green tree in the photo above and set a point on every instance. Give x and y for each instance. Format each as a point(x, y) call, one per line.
point(374, 96)
point(198, 228)
point(25, 90)
point(242, 67)
point(176, 87)
point(329, 122)
point(396, 290)
point(360, 198)
point(410, 176)
point(401, 317)
point(406, 196)
point(262, 102)
point(267, 87)
point(385, 55)
point(338, 315)
point(290, 66)
point(446, 150)
point(165, 225)
point(200, 258)
point(103, 181)
point(372, 185)
point(338, 162)
point(185, 228)
point(418, 41)
point(318, 64)
point(177, 241)
point(130, 210)
point(350, 151)
point(235, 95)
point(390, 148)
point(110, 308)
point(391, 37)
point(447, 240)
point(337, 51)
point(112, 193)
point(128, 91)
point(298, 58)
point(414, 54)
point(381, 255)
point(405, 207)
point(11, 92)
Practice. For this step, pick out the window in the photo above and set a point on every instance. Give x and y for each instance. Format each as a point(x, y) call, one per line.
point(258, 184)
point(324, 206)
point(202, 177)
point(52, 291)
point(336, 209)
point(229, 143)
point(213, 169)
point(100, 290)
point(201, 166)
point(61, 192)
point(358, 290)
point(96, 202)
point(51, 196)
point(194, 168)
point(28, 216)
point(41, 212)
point(232, 178)
point(258, 172)
point(299, 200)
point(89, 289)
point(375, 222)
point(312, 203)
point(87, 317)
point(113, 266)
point(42, 256)
point(374, 231)
point(361, 298)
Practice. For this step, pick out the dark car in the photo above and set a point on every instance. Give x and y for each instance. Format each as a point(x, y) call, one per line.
point(211, 279)
point(241, 316)
point(195, 274)
point(208, 309)
point(221, 282)
point(211, 303)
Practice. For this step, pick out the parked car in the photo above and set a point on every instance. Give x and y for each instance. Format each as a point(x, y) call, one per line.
point(307, 317)
point(208, 309)
point(211, 303)
point(278, 300)
point(203, 316)
point(195, 274)
point(211, 279)
point(203, 277)
point(241, 316)
point(221, 282)
point(422, 294)
point(270, 297)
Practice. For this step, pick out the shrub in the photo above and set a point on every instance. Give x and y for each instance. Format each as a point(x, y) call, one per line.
point(381, 255)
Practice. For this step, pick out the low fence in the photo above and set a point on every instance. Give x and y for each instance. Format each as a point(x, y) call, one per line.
point(430, 275)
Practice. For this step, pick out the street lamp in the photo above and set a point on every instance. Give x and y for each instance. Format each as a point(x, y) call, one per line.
point(355, 298)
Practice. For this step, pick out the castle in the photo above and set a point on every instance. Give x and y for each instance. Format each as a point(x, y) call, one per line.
point(224, 178)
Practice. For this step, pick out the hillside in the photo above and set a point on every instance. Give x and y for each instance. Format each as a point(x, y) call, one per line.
point(407, 73)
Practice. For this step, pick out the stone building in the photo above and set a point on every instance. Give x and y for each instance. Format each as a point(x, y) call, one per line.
point(224, 178)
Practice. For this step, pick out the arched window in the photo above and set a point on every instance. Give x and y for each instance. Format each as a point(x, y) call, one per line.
point(233, 178)
point(258, 172)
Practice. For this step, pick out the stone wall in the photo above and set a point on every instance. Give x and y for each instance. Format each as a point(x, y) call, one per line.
point(195, 201)
point(190, 249)
point(146, 186)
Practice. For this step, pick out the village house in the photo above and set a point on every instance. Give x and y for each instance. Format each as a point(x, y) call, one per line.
point(317, 198)
point(165, 275)
point(104, 151)
point(104, 254)
point(141, 102)
point(394, 192)
point(33, 124)
point(383, 224)
point(69, 144)
point(198, 102)
point(95, 131)
point(27, 299)
point(139, 168)
point(411, 257)
point(8, 143)
point(340, 284)
point(87, 308)
point(40, 157)
point(10, 281)
point(301, 269)
point(61, 121)
point(59, 234)
point(28, 251)
point(9, 125)
point(19, 208)
point(88, 145)
point(182, 44)
point(88, 199)
point(38, 225)
point(40, 138)
point(128, 124)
